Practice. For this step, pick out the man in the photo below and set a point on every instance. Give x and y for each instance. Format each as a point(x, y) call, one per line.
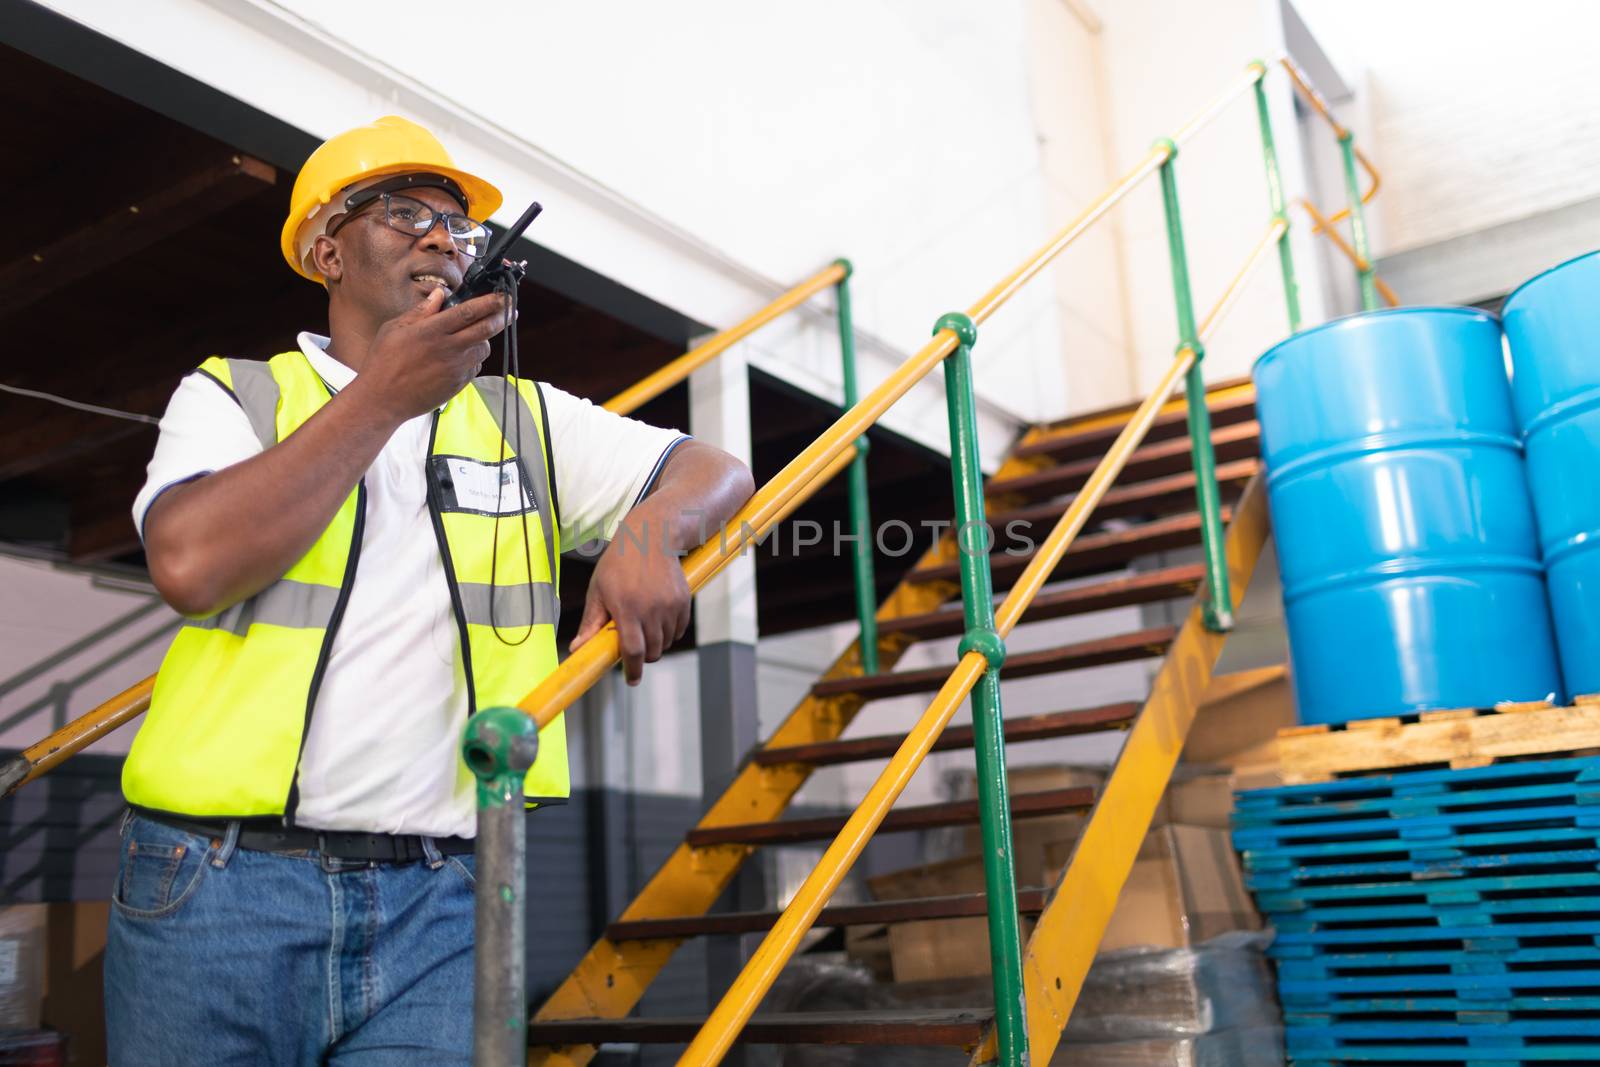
point(363, 536)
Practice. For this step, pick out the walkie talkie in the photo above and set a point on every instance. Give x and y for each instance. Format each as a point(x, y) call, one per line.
point(490, 273)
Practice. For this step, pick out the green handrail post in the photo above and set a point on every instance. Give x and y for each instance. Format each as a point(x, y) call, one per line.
point(860, 512)
point(499, 746)
point(988, 723)
point(1358, 224)
point(1269, 156)
point(1208, 499)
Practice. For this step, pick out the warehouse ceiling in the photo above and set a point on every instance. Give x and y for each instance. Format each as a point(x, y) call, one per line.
point(139, 246)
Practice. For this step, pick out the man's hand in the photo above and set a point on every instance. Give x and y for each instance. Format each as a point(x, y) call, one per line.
point(644, 592)
point(426, 356)
point(643, 589)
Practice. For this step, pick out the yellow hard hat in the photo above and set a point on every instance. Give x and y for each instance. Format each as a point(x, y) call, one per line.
point(391, 145)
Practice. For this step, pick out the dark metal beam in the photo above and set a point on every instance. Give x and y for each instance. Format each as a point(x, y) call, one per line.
point(130, 229)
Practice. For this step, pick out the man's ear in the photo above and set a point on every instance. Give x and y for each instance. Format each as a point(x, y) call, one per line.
point(326, 258)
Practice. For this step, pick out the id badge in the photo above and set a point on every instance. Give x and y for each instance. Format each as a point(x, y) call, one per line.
point(481, 488)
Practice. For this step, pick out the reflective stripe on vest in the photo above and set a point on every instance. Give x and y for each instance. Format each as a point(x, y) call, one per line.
point(235, 693)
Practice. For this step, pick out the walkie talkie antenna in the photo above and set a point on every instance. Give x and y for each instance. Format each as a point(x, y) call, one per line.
point(480, 277)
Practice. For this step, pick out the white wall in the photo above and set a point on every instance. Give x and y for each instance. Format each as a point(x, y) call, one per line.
point(69, 642)
point(1481, 111)
point(1167, 60)
point(1071, 107)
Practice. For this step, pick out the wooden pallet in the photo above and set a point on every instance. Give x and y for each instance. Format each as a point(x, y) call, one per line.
point(1457, 737)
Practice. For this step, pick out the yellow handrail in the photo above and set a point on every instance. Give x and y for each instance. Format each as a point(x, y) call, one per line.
point(1325, 226)
point(41, 758)
point(717, 1035)
point(659, 381)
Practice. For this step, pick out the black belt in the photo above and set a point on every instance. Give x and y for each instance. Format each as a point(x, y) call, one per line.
point(337, 844)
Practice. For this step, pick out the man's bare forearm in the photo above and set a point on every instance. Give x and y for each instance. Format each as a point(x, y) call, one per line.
point(222, 538)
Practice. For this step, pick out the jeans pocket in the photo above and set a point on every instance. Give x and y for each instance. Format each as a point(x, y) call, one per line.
point(465, 867)
point(159, 869)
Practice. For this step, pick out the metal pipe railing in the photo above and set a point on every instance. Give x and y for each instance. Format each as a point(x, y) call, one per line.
point(775, 950)
point(1325, 226)
point(988, 718)
point(1208, 497)
point(1350, 156)
point(1269, 159)
point(862, 564)
point(659, 381)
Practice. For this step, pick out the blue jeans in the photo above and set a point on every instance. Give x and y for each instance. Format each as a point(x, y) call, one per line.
point(219, 955)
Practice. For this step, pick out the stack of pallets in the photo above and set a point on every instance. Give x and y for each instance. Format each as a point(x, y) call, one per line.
point(1434, 917)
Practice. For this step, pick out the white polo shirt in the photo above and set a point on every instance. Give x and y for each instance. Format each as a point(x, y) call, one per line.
point(382, 753)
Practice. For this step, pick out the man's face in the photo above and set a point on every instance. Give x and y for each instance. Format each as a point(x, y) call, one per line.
point(384, 272)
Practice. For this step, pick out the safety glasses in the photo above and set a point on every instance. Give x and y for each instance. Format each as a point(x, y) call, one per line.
point(414, 218)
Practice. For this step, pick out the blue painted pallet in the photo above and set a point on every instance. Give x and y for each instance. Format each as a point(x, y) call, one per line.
point(1406, 1055)
point(1459, 891)
point(1290, 875)
point(1307, 991)
point(1424, 801)
point(1416, 828)
point(1413, 1009)
point(1511, 1032)
point(1483, 912)
point(1345, 790)
point(1325, 965)
point(1445, 848)
point(1509, 1039)
point(1494, 936)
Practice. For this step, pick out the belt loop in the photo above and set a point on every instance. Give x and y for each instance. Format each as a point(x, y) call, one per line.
point(431, 853)
point(230, 844)
point(329, 864)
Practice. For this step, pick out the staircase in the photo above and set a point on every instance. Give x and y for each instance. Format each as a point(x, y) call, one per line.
point(1151, 512)
point(1115, 490)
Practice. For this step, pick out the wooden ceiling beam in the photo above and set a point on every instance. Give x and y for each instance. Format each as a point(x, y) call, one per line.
point(130, 229)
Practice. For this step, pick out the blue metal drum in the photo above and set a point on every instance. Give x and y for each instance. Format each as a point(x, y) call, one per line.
point(1553, 324)
point(1405, 537)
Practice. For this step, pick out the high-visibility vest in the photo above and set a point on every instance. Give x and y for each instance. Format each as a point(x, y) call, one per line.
point(235, 694)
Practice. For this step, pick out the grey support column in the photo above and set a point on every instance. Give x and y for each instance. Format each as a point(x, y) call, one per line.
point(725, 634)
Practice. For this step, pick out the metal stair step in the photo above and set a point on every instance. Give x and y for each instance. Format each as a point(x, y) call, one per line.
point(1116, 592)
point(1089, 553)
point(1030, 901)
point(960, 1027)
point(1175, 492)
point(1018, 730)
point(1119, 648)
point(1240, 441)
point(923, 817)
point(1226, 410)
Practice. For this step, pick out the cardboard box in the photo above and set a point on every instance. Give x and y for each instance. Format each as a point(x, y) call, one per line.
point(1239, 719)
point(1185, 888)
point(1207, 799)
point(869, 946)
point(937, 948)
point(74, 991)
point(1031, 837)
point(22, 938)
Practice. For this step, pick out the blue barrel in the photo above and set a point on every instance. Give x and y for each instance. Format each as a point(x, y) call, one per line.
point(1405, 537)
point(1553, 324)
